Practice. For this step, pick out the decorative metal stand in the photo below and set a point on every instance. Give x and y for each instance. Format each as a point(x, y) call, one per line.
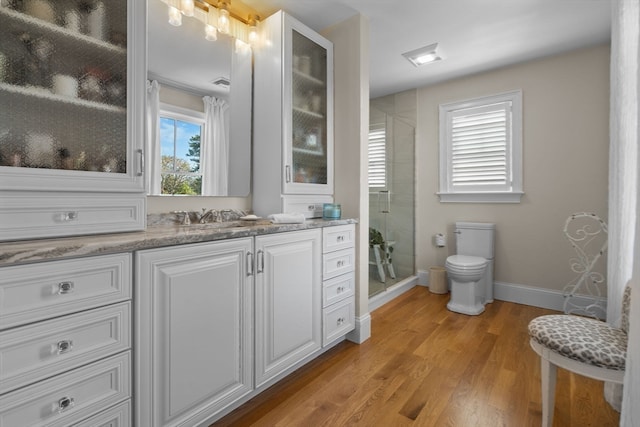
point(588, 234)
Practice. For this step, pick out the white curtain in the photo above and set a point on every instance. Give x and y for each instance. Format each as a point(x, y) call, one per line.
point(214, 150)
point(154, 164)
point(623, 188)
point(623, 167)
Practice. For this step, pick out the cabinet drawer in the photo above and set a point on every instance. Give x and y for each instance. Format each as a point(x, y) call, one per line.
point(118, 416)
point(337, 263)
point(339, 237)
point(39, 291)
point(338, 320)
point(337, 289)
point(34, 352)
point(39, 215)
point(71, 397)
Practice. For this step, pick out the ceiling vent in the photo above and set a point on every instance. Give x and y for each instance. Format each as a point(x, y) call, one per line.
point(222, 82)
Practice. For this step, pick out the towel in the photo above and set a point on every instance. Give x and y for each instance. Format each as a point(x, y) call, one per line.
point(287, 218)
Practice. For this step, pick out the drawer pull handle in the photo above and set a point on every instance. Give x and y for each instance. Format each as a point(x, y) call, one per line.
point(69, 216)
point(65, 404)
point(249, 264)
point(64, 346)
point(260, 261)
point(340, 289)
point(340, 263)
point(340, 321)
point(65, 288)
point(340, 238)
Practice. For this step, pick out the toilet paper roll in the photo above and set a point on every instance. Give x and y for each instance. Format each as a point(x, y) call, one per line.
point(440, 240)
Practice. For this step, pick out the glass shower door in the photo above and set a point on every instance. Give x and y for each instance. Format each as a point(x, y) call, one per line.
point(391, 201)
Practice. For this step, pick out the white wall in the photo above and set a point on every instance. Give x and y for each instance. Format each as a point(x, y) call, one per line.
point(566, 108)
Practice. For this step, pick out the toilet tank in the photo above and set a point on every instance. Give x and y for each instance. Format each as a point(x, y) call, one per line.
point(475, 239)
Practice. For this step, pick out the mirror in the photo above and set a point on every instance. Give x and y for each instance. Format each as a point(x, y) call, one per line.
point(187, 67)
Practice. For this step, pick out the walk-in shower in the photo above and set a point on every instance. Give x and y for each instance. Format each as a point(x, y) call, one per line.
point(391, 197)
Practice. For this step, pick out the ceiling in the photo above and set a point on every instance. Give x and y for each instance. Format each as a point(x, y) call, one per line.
point(473, 35)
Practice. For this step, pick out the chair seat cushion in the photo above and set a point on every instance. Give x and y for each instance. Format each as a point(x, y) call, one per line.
point(586, 340)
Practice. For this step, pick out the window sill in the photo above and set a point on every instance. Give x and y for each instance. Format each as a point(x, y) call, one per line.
point(488, 197)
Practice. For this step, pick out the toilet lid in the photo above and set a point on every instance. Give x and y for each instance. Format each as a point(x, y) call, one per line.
point(466, 260)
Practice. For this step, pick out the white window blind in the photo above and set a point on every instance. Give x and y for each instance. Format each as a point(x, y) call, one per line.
point(377, 156)
point(480, 141)
point(481, 149)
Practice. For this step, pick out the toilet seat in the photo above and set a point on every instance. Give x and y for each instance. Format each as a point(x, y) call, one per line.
point(466, 261)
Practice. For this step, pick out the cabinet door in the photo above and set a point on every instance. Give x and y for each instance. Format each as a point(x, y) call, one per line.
point(193, 331)
point(288, 301)
point(308, 110)
point(71, 95)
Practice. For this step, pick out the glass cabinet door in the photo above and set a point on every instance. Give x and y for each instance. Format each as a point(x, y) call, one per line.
point(63, 88)
point(310, 135)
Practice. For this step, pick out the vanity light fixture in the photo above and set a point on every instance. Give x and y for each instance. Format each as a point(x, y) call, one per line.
point(210, 31)
point(175, 16)
point(423, 55)
point(223, 16)
point(253, 28)
point(187, 7)
point(216, 17)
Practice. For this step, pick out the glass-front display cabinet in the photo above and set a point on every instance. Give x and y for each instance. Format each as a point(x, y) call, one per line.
point(72, 81)
point(309, 137)
point(293, 124)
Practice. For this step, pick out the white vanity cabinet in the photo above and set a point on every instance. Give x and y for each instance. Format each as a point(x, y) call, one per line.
point(65, 341)
point(288, 301)
point(338, 285)
point(72, 90)
point(194, 312)
point(293, 134)
point(201, 307)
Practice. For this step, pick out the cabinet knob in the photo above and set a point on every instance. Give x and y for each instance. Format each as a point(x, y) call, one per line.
point(68, 216)
point(340, 321)
point(65, 288)
point(340, 238)
point(64, 346)
point(65, 404)
point(340, 263)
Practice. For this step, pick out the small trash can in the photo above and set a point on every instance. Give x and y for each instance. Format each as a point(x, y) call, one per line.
point(438, 280)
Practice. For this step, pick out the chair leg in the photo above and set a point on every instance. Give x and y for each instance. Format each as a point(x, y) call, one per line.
point(548, 373)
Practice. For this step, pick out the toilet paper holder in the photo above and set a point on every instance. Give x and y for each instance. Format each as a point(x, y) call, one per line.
point(440, 240)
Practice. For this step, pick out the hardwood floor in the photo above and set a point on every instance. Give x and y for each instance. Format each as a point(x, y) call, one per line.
point(427, 366)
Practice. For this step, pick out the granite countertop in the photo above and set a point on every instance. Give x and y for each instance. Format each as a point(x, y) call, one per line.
point(155, 236)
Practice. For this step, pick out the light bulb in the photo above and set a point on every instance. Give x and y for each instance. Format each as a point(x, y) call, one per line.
point(223, 18)
point(253, 29)
point(187, 7)
point(211, 33)
point(175, 17)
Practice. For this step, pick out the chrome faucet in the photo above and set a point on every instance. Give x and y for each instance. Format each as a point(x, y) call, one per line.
point(185, 219)
point(208, 215)
point(224, 215)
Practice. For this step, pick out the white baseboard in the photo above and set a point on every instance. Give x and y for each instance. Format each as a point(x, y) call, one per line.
point(423, 278)
point(362, 332)
point(536, 297)
point(393, 292)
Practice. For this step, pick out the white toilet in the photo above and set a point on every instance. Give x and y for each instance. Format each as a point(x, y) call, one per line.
point(471, 270)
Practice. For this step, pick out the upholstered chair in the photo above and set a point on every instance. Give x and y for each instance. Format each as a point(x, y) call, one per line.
point(582, 345)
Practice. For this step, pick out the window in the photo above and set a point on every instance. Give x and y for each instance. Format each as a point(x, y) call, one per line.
point(481, 149)
point(377, 156)
point(180, 136)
